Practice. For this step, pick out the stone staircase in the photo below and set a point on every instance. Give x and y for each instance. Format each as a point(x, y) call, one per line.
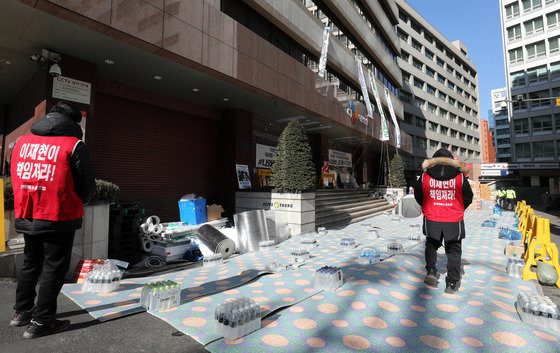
point(336, 208)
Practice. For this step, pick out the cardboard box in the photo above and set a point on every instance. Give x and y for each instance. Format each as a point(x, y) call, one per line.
point(214, 212)
point(514, 250)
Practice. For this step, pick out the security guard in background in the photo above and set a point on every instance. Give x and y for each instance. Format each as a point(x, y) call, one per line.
point(501, 196)
point(511, 198)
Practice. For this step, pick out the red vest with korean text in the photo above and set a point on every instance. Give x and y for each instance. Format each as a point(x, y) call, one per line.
point(42, 180)
point(443, 200)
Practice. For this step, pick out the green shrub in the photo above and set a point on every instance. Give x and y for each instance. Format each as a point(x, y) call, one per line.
point(397, 172)
point(293, 170)
point(105, 191)
point(8, 193)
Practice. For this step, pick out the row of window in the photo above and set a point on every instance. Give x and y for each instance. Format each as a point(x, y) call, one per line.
point(513, 10)
point(534, 50)
point(537, 124)
point(537, 99)
point(407, 97)
point(542, 149)
point(423, 31)
point(534, 26)
point(444, 130)
point(424, 143)
point(541, 73)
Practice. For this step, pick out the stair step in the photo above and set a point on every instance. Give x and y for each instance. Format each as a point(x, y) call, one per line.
point(358, 212)
point(341, 205)
point(340, 198)
point(349, 219)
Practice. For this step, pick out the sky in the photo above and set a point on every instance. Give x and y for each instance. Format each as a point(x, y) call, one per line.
point(476, 23)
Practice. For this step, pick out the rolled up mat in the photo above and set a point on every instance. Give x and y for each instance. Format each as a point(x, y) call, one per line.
point(251, 229)
point(147, 244)
point(216, 241)
point(158, 228)
point(153, 220)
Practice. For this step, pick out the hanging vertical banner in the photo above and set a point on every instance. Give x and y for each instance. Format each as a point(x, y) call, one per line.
point(324, 51)
point(384, 129)
point(393, 117)
point(363, 85)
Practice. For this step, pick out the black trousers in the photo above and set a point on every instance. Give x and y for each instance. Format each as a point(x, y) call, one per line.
point(453, 250)
point(511, 203)
point(47, 257)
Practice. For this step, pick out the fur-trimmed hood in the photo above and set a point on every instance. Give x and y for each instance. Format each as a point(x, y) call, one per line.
point(429, 163)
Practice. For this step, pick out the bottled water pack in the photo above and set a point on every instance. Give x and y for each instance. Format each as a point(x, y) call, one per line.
point(322, 231)
point(278, 266)
point(395, 247)
point(308, 242)
point(213, 260)
point(102, 279)
point(300, 254)
point(369, 256)
point(267, 245)
point(373, 233)
point(237, 318)
point(538, 310)
point(347, 243)
point(514, 267)
point(160, 296)
point(328, 278)
point(414, 238)
point(396, 218)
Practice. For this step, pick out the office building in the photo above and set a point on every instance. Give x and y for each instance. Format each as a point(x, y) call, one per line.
point(499, 113)
point(488, 150)
point(439, 93)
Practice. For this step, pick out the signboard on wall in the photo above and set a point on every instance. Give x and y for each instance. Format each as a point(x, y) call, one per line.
point(265, 156)
point(508, 166)
point(71, 90)
point(340, 159)
point(243, 178)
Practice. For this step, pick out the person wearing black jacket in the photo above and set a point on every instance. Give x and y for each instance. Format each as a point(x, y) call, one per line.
point(48, 201)
point(444, 193)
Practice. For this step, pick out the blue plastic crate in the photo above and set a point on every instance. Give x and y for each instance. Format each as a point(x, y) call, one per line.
point(193, 211)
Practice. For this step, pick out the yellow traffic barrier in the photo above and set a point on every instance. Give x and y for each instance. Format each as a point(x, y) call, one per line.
point(547, 252)
point(524, 218)
point(2, 226)
point(521, 206)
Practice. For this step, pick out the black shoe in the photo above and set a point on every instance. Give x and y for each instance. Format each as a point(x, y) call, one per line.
point(35, 329)
point(431, 278)
point(22, 318)
point(451, 288)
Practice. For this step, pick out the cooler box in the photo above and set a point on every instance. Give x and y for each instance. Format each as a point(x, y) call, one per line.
point(193, 211)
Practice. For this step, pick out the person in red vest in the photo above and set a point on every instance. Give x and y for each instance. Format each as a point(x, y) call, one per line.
point(52, 178)
point(444, 193)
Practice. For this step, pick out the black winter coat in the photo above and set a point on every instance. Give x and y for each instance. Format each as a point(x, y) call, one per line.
point(56, 124)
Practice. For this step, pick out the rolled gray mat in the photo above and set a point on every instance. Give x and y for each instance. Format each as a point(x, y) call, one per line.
point(251, 229)
point(216, 241)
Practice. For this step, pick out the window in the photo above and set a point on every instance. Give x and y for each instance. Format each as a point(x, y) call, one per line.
point(432, 126)
point(514, 32)
point(503, 131)
point(442, 113)
point(433, 144)
point(449, 68)
point(450, 85)
point(405, 77)
point(503, 141)
point(519, 105)
point(521, 126)
point(442, 96)
point(516, 55)
point(439, 47)
point(537, 74)
point(452, 101)
point(444, 130)
point(542, 99)
point(428, 37)
point(420, 142)
point(405, 96)
point(418, 83)
point(530, 5)
point(469, 139)
point(555, 70)
point(458, 75)
point(543, 149)
point(461, 106)
point(535, 50)
point(432, 108)
point(541, 123)
point(440, 62)
point(453, 134)
point(405, 56)
point(503, 150)
point(415, 26)
point(403, 17)
point(431, 90)
point(512, 10)
point(452, 117)
point(454, 149)
point(441, 79)
point(419, 103)
point(429, 54)
point(408, 118)
point(532, 27)
point(430, 72)
point(462, 136)
point(553, 44)
point(517, 78)
point(417, 64)
point(553, 19)
point(402, 34)
point(416, 45)
point(550, 2)
point(420, 122)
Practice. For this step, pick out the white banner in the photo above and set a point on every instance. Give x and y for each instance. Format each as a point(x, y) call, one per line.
point(393, 117)
point(340, 159)
point(509, 166)
point(363, 85)
point(324, 51)
point(384, 130)
point(71, 90)
point(264, 156)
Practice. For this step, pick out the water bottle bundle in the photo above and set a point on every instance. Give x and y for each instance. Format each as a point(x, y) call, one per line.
point(515, 267)
point(396, 218)
point(395, 247)
point(538, 310)
point(489, 223)
point(267, 245)
point(369, 256)
point(347, 243)
point(102, 279)
point(310, 241)
point(497, 210)
point(373, 233)
point(416, 225)
point(322, 231)
point(237, 318)
point(278, 266)
point(414, 237)
point(300, 254)
point(328, 278)
point(213, 260)
point(160, 296)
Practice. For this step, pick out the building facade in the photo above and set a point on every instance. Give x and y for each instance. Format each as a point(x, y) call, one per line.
point(439, 93)
point(501, 132)
point(488, 151)
point(175, 94)
point(531, 38)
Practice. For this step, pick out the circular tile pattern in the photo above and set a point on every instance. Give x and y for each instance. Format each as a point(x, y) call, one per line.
point(435, 342)
point(388, 306)
point(340, 323)
point(375, 322)
point(327, 308)
point(447, 307)
point(395, 341)
point(356, 342)
point(474, 321)
point(194, 322)
point(315, 342)
point(408, 323)
point(275, 340)
point(358, 305)
point(509, 339)
point(545, 336)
